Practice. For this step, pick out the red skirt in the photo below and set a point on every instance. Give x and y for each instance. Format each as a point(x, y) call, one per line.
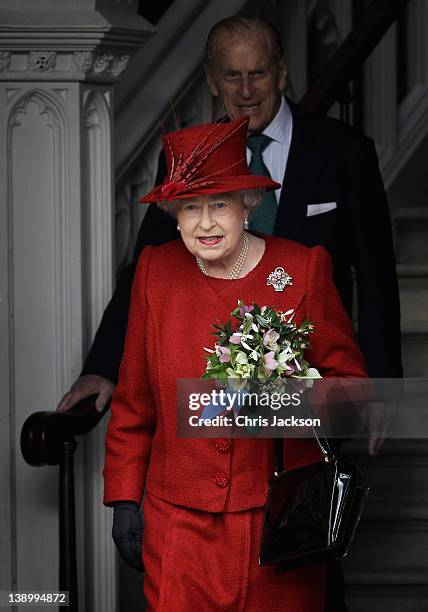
point(196, 560)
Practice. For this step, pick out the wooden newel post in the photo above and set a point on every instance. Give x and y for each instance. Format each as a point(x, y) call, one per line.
point(67, 526)
point(47, 438)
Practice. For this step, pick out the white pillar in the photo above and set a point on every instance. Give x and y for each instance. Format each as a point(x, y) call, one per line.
point(58, 64)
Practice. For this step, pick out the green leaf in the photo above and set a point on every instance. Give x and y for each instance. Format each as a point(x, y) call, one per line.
point(264, 322)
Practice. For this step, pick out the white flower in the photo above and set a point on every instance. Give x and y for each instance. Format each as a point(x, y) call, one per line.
point(313, 373)
point(244, 370)
point(297, 365)
point(285, 356)
point(246, 346)
point(241, 357)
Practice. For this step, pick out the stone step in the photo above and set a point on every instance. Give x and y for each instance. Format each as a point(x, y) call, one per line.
point(389, 474)
point(414, 349)
point(393, 598)
point(413, 285)
point(383, 550)
point(401, 466)
point(410, 226)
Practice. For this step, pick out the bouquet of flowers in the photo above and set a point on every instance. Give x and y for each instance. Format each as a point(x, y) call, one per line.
point(264, 344)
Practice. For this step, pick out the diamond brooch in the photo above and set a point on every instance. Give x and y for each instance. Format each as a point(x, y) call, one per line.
point(279, 279)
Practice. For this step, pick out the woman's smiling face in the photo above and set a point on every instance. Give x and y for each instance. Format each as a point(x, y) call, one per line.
point(212, 227)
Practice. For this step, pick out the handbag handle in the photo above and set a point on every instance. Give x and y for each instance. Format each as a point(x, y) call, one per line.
point(322, 441)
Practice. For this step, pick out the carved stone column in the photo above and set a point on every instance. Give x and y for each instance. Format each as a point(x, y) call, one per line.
point(59, 61)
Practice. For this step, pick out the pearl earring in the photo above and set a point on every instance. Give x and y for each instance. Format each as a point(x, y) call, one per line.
point(178, 227)
point(245, 224)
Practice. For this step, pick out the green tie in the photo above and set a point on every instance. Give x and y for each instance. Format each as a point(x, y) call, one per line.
point(263, 219)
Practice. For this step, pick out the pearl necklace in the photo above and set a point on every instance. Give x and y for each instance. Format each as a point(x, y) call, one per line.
point(239, 264)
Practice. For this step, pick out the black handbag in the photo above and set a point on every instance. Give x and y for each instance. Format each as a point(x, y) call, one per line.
point(312, 512)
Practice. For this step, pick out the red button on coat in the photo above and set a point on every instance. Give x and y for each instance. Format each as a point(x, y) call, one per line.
point(221, 480)
point(222, 445)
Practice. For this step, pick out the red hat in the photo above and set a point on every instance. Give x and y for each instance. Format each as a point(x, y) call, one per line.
point(206, 160)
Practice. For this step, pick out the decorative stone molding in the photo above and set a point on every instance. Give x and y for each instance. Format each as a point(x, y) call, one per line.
point(101, 66)
point(119, 64)
point(82, 61)
point(45, 105)
point(4, 60)
point(91, 44)
point(41, 61)
point(11, 93)
point(102, 62)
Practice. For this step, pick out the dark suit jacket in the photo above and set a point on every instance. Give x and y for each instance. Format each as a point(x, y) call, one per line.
point(328, 162)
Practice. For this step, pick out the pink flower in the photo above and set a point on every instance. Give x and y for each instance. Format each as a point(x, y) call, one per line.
point(270, 362)
point(224, 354)
point(289, 369)
point(270, 339)
point(235, 338)
point(243, 309)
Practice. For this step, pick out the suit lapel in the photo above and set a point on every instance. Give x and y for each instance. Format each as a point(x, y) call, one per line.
point(305, 163)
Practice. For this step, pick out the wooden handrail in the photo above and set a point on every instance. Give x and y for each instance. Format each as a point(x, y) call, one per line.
point(44, 433)
point(47, 438)
point(342, 68)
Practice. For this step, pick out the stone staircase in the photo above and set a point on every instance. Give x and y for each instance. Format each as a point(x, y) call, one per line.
point(388, 567)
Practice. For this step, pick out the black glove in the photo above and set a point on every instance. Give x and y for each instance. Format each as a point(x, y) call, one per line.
point(127, 533)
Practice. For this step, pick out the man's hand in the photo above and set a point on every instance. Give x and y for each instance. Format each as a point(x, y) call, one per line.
point(375, 444)
point(379, 417)
point(85, 386)
point(127, 533)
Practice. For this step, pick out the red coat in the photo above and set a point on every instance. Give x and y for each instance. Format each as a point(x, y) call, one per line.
point(172, 310)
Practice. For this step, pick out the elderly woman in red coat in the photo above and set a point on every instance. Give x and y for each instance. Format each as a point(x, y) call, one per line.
point(203, 508)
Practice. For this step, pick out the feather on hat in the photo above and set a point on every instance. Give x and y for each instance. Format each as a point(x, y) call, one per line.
point(206, 160)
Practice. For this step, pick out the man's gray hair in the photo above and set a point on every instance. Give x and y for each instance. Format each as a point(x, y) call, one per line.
point(251, 198)
point(247, 26)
